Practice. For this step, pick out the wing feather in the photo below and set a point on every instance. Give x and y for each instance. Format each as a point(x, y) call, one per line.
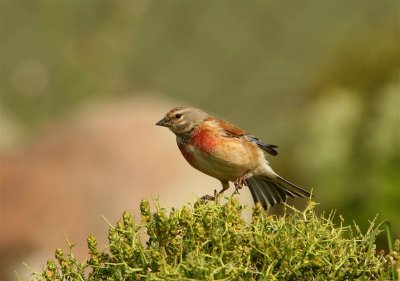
point(269, 148)
point(230, 129)
point(234, 131)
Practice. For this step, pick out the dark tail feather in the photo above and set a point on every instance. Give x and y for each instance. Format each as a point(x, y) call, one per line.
point(268, 192)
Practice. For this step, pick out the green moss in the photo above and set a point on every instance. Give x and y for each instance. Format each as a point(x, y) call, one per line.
point(209, 241)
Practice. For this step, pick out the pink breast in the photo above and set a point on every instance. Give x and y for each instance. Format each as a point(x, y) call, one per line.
point(204, 140)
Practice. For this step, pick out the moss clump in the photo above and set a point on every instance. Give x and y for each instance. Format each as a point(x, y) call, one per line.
point(208, 241)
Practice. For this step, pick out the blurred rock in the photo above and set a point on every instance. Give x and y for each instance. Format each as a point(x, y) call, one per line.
point(101, 161)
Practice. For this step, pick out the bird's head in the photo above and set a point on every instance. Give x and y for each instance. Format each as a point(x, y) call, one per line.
point(182, 120)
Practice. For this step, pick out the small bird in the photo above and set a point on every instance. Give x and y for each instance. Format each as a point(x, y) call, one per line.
point(227, 153)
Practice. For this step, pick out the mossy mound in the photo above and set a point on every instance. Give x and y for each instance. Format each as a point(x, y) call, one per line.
point(209, 241)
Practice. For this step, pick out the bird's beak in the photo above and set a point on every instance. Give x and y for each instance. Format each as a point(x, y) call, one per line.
point(163, 122)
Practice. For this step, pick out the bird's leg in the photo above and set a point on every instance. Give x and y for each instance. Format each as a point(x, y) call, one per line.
point(225, 186)
point(239, 184)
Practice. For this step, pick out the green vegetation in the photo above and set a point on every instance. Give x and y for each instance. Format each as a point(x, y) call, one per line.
point(210, 241)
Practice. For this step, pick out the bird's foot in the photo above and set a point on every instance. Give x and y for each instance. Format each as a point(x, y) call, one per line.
point(238, 185)
point(208, 197)
point(236, 191)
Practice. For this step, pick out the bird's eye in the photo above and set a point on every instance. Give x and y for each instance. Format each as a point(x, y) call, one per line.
point(177, 116)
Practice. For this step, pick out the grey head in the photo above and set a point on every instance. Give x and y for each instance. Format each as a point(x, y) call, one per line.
point(182, 120)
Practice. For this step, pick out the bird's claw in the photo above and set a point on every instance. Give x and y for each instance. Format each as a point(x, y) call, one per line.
point(208, 197)
point(238, 185)
point(236, 191)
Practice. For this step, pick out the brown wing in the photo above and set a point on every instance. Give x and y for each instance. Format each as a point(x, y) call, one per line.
point(234, 131)
point(230, 129)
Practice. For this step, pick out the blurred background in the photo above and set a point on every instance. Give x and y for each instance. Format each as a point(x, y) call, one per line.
point(83, 83)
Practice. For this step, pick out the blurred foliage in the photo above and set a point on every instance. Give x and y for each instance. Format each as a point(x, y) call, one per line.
point(318, 78)
point(353, 133)
point(56, 54)
point(213, 242)
point(248, 56)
